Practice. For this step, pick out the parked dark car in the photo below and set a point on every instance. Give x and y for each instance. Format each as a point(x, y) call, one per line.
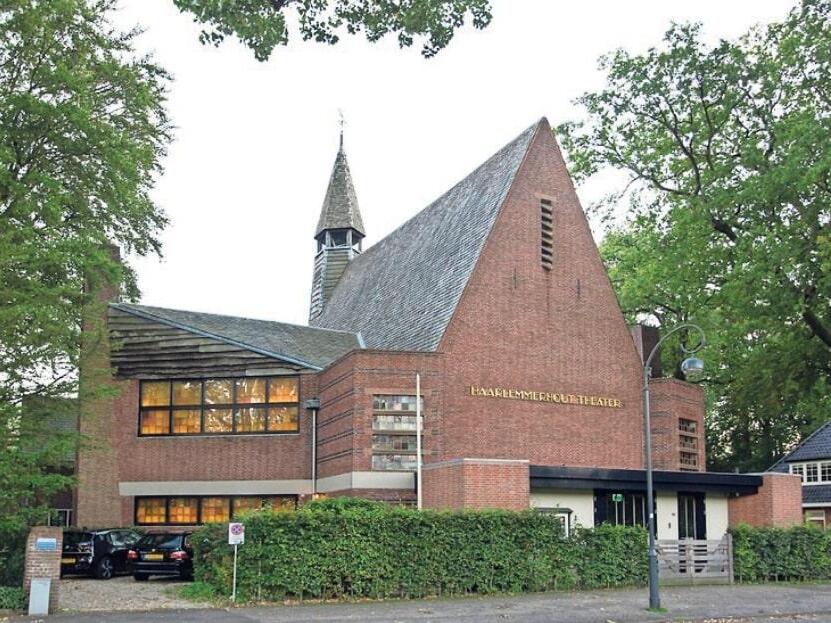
point(100, 553)
point(162, 554)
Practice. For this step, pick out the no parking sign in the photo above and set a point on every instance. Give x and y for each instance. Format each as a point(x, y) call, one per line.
point(236, 534)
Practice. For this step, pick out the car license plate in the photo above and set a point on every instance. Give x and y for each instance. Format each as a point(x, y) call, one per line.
point(67, 561)
point(154, 556)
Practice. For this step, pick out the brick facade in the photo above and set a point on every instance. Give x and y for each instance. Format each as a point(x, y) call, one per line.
point(517, 326)
point(671, 401)
point(476, 483)
point(44, 564)
point(778, 503)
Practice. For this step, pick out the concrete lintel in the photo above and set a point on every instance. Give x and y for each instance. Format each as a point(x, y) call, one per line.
point(216, 487)
point(472, 461)
point(366, 480)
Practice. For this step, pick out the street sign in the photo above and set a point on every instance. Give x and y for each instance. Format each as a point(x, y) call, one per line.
point(617, 497)
point(236, 534)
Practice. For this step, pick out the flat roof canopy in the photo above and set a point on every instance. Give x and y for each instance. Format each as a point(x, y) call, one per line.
point(561, 477)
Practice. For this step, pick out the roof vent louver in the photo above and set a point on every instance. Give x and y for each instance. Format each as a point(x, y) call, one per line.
point(547, 230)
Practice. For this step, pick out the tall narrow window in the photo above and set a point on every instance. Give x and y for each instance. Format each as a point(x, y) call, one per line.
point(394, 425)
point(547, 238)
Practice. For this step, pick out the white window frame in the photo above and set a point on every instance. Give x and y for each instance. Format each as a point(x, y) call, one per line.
point(815, 516)
point(819, 472)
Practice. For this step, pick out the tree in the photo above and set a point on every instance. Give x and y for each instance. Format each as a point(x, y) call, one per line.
point(263, 25)
point(82, 130)
point(728, 153)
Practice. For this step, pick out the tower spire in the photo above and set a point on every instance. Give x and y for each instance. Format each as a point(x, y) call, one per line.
point(339, 232)
point(342, 123)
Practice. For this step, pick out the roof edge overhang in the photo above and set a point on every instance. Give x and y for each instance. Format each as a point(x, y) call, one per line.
point(208, 334)
point(562, 477)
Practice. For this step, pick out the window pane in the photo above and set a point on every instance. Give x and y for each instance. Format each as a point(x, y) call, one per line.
point(393, 461)
point(395, 403)
point(155, 422)
point(250, 390)
point(250, 420)
point(183, 510)
point(811, 473)
point(186, 421)
point(280, 503)
point(246, 504)
point(394, 422)
point(155, 394)
point(187, 393)
point(283, 419)
point(394, 442)
point(150, 510)
point(825, 472)
point(282, 390)
point(214, 510)
point(218, 392)
point(218, 421)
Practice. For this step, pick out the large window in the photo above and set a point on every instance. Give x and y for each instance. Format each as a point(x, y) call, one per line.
point(813, 472)
point(194, 510)
point(394, 427)
point(620, 508)
point(251, 405)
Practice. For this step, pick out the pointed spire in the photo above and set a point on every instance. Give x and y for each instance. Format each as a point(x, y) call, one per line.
point(340, 206)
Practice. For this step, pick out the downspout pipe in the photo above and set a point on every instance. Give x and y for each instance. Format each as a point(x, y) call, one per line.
point(313, 406)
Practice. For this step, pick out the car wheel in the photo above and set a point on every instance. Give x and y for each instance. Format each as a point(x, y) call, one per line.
point(105, 569)
point(140, 577)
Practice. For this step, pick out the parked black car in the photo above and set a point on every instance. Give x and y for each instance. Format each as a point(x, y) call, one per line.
point(162, 554)
point(100, 553)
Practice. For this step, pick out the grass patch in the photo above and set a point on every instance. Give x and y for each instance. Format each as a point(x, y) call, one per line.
point(198, 591)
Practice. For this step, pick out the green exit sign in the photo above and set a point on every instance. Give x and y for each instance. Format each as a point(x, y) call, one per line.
point(617, 497)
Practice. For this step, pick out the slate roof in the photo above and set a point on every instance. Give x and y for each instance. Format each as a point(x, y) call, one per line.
point(816, 446)
point(401, 292)
point(340, 205)
point(816, 494)
point(309, 346)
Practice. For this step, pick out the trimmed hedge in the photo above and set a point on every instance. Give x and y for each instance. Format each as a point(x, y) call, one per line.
point(355, 548)
point(12, 598)
point(798, 553)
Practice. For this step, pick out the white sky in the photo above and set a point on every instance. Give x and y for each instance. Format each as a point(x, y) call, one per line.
point(246, 175)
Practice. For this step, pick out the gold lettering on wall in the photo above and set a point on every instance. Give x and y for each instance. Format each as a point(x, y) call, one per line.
point(541, 396)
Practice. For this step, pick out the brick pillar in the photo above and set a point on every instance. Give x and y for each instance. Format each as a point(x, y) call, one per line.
point(477, 483)
point(777, 503)
point(671, 400)
point(97, 501)
point(44, 564)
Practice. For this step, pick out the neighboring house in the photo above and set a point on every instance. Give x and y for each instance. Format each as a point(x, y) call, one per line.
point(811, 460)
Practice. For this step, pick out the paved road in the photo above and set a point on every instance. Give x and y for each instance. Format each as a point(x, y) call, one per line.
point(714, 604)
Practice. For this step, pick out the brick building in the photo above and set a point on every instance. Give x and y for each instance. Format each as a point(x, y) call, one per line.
point(494, 294)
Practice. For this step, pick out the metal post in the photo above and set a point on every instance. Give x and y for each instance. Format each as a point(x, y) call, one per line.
point(418, 441)
point(654, 595)
point(234, 588)
point(314, 452)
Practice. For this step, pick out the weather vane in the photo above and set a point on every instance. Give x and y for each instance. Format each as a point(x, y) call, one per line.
point(342, 123)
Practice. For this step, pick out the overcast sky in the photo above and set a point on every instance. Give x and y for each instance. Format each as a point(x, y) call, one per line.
point(255, 142)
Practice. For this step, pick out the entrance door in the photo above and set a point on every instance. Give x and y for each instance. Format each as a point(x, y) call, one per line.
point(692, 522)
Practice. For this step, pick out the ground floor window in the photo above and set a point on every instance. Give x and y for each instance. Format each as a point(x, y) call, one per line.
point(60, 517)
point(394, 428)
point(193, 510)
point(561, 514)
point(620, 508)
point(815, 517)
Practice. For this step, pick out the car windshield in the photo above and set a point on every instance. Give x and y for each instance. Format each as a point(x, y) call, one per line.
point(161, 541)
point(73, 538)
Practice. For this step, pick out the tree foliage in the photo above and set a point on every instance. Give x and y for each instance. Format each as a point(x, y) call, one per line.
point(263, 25)
point(82, 130)
point(728, 152)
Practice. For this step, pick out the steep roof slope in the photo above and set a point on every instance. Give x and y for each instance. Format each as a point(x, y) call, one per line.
point(307, 346)
point(401, 293)
point(816, 446)
point(340, 205)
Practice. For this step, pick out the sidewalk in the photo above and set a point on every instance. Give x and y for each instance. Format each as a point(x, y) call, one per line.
point(769, 602)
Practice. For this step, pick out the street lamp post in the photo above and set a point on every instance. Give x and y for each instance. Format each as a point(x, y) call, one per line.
point(691, 367)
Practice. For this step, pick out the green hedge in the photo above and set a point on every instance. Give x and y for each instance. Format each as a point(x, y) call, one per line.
point(12, 598)
point(798, 553)
point(350, 549)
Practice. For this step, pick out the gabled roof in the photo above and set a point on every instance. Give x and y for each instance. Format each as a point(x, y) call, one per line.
point(307, 346)
point(340, 205)
point(401, 293)
point(816, 446)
